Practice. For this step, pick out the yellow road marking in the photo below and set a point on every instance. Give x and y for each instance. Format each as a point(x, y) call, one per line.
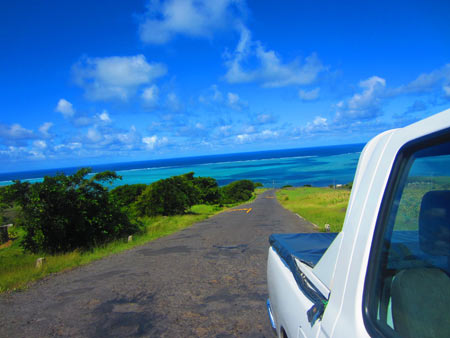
point(269, 197)
point(246, 210)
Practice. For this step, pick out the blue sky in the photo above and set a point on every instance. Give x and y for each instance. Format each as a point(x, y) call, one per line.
point(88, 82)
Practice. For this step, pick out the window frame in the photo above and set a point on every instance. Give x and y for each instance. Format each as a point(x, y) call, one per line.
point(400, 168)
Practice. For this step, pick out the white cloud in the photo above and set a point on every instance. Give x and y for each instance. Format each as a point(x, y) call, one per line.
point(309, 95)
point(218, 100)
point(232, 98)
point(365, 105)
point(36, 155)
point(269, 134)
point(265, 118)
point(225, 130)
point(173, 103)
point(426, 82)
point(319, 124)
point(194, 18)
point(130, 138)
point(249, 129)
point(70, 146)
point(104, 116)
point(115, 77)
point(93, 134)
point(250, 135)
point(154, 141)
point(44, 128)
point(15, 133)
point(242, 138)
point(41, 144)
point(150, 95)
point(65, 107)
point(270, 70)
point(446, 90)
point(82, 121)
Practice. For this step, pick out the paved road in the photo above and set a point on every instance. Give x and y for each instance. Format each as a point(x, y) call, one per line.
point(206, 281)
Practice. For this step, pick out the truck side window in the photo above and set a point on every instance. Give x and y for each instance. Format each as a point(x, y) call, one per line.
point(409, 294)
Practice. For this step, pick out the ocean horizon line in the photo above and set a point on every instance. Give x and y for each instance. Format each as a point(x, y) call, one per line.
point(193, 162)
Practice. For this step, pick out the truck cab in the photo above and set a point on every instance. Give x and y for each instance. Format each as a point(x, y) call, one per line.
point(386, 274)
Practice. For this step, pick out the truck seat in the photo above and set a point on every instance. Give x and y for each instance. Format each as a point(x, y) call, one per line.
point(421, 296)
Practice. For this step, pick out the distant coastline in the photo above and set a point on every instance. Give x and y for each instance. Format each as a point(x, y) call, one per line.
point(266, 166)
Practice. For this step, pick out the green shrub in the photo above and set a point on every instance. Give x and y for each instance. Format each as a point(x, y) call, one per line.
point(64, 213)
point(175, 195)
point(170, 196)
point(127, 194)
point(238, 191)
point(207, 190)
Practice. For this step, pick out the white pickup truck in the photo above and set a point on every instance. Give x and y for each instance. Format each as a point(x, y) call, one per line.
point(386, 274)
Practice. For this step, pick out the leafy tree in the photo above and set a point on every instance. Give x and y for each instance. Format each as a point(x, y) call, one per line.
point(63, 213)
point(127, 194)
point(170, 196)
point(174, 195)
point(208, 190)
point(238, 191)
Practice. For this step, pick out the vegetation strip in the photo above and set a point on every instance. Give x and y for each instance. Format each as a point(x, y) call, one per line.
point(68, 221)
point(319, 206)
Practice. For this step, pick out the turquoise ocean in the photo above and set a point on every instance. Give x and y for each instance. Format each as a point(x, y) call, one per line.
point(318, 166)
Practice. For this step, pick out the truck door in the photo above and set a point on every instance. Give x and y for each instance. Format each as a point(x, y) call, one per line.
point(407, 288)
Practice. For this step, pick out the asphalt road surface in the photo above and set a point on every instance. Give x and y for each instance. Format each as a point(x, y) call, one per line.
point(208, 280)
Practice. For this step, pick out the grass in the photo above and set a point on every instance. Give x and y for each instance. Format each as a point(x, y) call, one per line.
point(17, 268)
point(318, 205)
point(259, 191)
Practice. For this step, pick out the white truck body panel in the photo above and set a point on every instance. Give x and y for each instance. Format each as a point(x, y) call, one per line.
point(343, 267)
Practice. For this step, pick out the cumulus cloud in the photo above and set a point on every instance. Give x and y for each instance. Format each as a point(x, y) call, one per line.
point(320, 124)
point(65, 107)
point(224, 130)
point(427, 82)
point(446, 91)
point(15, 134)
point(268, 133)
point(151, 142)
point(194, 18)
point(310, 95)
point(129, 138)
point(173, 103)
point(250, 135)
point(115, 77)
point(218, 100)
point(242, 138)
point(44, 129)
point(365, 105)
point(211, 96)
point(41, 144)
point(104, 117)
point(150, 95)
point(265, 118)
point(270, 70)
point(232, 98)
point(93, 134)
